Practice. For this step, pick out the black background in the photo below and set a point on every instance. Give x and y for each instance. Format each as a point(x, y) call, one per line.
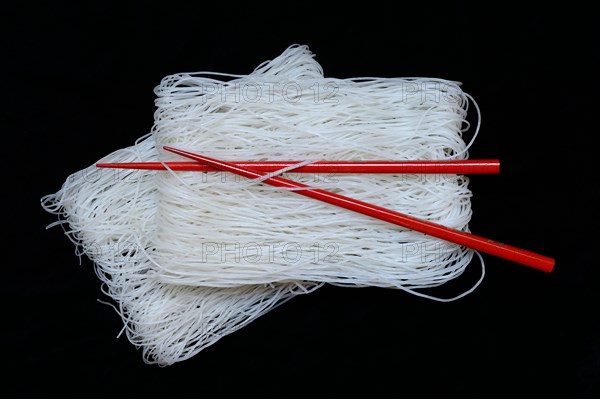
point(79, 84)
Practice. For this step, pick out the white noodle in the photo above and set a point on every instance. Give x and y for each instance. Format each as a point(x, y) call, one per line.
point(219, 230)
point(190, 257)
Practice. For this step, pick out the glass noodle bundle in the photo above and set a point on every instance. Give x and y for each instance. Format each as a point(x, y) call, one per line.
point(189, 257)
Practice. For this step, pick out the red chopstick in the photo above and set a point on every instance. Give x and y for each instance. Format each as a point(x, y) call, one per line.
point(469, 240)
point(469, 166)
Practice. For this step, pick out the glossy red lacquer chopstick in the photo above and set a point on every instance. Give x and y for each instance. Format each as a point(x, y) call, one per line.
point(469, 240)
point(468, 166)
